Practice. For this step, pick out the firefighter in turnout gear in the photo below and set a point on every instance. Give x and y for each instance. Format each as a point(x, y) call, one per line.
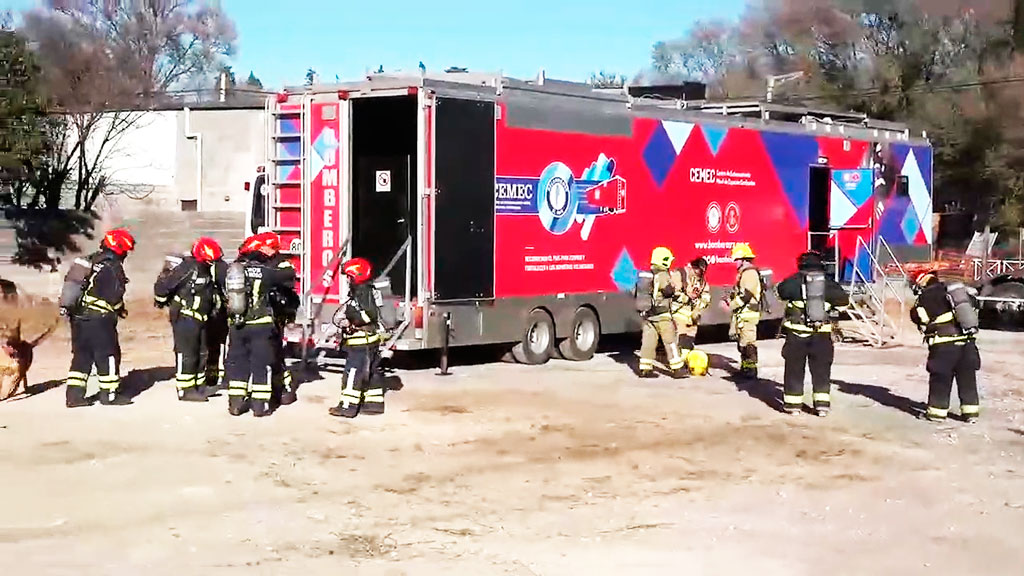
point(358, 318)
point(947, 316)
point(188, 290)
point(218, 327)
point(654, 297)
point(745, 305)
point(216, 335)
point(285, 303)
point(692, 297)
point(95, 307)
point(812, 299)
point(254, 339)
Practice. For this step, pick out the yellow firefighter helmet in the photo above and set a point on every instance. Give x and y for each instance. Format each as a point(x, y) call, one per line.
point(741, 251)
point(662, 257)
point(697, 361)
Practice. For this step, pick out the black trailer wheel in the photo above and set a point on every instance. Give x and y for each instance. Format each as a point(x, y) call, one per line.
point(1007, 316)
point(538, 343)
point(583, 338)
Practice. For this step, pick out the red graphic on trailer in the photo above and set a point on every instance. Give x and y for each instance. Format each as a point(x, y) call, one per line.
point(732, 217)
point(324, 200)
point(680, 175)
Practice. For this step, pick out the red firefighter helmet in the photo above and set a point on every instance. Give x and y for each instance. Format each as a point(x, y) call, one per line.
point(250, 244)
point(270, 243)
point(119, 241)
point(358, 269)
point(207, 250)
point(922, 277)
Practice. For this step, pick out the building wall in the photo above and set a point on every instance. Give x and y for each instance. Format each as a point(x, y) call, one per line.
point(232, 147)
point(155, 167)
point(157, 232)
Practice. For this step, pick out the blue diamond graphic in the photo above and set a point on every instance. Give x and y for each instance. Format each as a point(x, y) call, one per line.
point(624, 274)
point(326, 143)
point(910, 225)
point(659, 155)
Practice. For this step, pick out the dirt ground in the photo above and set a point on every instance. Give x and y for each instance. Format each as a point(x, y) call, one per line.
point(503, 469)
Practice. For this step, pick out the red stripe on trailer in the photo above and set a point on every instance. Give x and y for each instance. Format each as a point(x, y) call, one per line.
point(324, 195)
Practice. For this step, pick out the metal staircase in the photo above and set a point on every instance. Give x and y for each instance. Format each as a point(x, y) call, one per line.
point(869, 297)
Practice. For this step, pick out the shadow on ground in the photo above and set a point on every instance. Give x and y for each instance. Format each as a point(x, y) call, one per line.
point(881, 395)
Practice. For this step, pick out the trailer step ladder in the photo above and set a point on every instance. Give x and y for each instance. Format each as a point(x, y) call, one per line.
point(870, 299)
point(285, 159)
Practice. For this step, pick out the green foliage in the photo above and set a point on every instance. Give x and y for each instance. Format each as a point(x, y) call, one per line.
point(253, 81)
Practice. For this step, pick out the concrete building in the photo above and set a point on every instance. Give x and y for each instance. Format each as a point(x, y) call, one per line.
point(189, 159)
point(178, 173)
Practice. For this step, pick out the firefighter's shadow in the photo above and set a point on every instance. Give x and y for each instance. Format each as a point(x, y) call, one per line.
point(881, 395)
point(139, 381)
point(768, 392)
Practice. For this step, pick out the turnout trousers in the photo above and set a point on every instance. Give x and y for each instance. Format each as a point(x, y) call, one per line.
point(654, 329)
point(252, 351)
point(686, 331)
point(362, 388)
point(744, 330)
point(216, 348)
point(817, 352)
point(190, 351)
point(947, 362)
point(281, 377)
point(94, 343)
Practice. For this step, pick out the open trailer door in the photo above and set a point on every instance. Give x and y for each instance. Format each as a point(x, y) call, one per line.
point(851, 219)
point(325, 206)
point(464, 208)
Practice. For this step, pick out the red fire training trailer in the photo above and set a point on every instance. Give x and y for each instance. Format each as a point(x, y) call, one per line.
point(507, 211)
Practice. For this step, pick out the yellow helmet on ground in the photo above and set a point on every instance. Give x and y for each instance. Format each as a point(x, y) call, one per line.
point(742, 250)
point(697, 361)
point(662, 257)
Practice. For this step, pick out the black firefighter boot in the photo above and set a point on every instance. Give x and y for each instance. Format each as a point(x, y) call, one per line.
point(238, 405)
point(75, 397)
point(193, 394)
point(261, 408)
point(349, 405)
point(748, 362)
point(111, 398)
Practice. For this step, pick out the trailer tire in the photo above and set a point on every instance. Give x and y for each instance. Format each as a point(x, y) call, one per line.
point(584, 335)
point(1003, 319)
point(538, 342)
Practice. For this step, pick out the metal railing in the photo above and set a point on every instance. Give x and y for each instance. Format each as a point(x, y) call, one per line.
point(870, 314)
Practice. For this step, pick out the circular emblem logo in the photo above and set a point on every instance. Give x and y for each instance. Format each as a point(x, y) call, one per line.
point(557, 196)
point(713, 217)
point(732, 217)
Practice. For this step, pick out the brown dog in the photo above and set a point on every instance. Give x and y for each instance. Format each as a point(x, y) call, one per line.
point(16, 358)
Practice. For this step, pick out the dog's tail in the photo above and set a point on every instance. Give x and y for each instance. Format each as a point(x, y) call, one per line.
point(39, 339)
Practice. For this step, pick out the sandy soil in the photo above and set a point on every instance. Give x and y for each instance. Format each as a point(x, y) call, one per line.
point(504, 469)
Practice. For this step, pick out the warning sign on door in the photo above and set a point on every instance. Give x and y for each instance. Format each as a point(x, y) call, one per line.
point(383, 180)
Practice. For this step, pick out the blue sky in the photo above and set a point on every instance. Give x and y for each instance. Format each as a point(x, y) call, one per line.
point(280, 39)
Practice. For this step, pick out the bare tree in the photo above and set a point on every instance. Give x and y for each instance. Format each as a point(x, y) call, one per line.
point(107, 62)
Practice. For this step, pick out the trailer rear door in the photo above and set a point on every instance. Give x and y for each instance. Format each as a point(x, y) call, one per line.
point(464, 208)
